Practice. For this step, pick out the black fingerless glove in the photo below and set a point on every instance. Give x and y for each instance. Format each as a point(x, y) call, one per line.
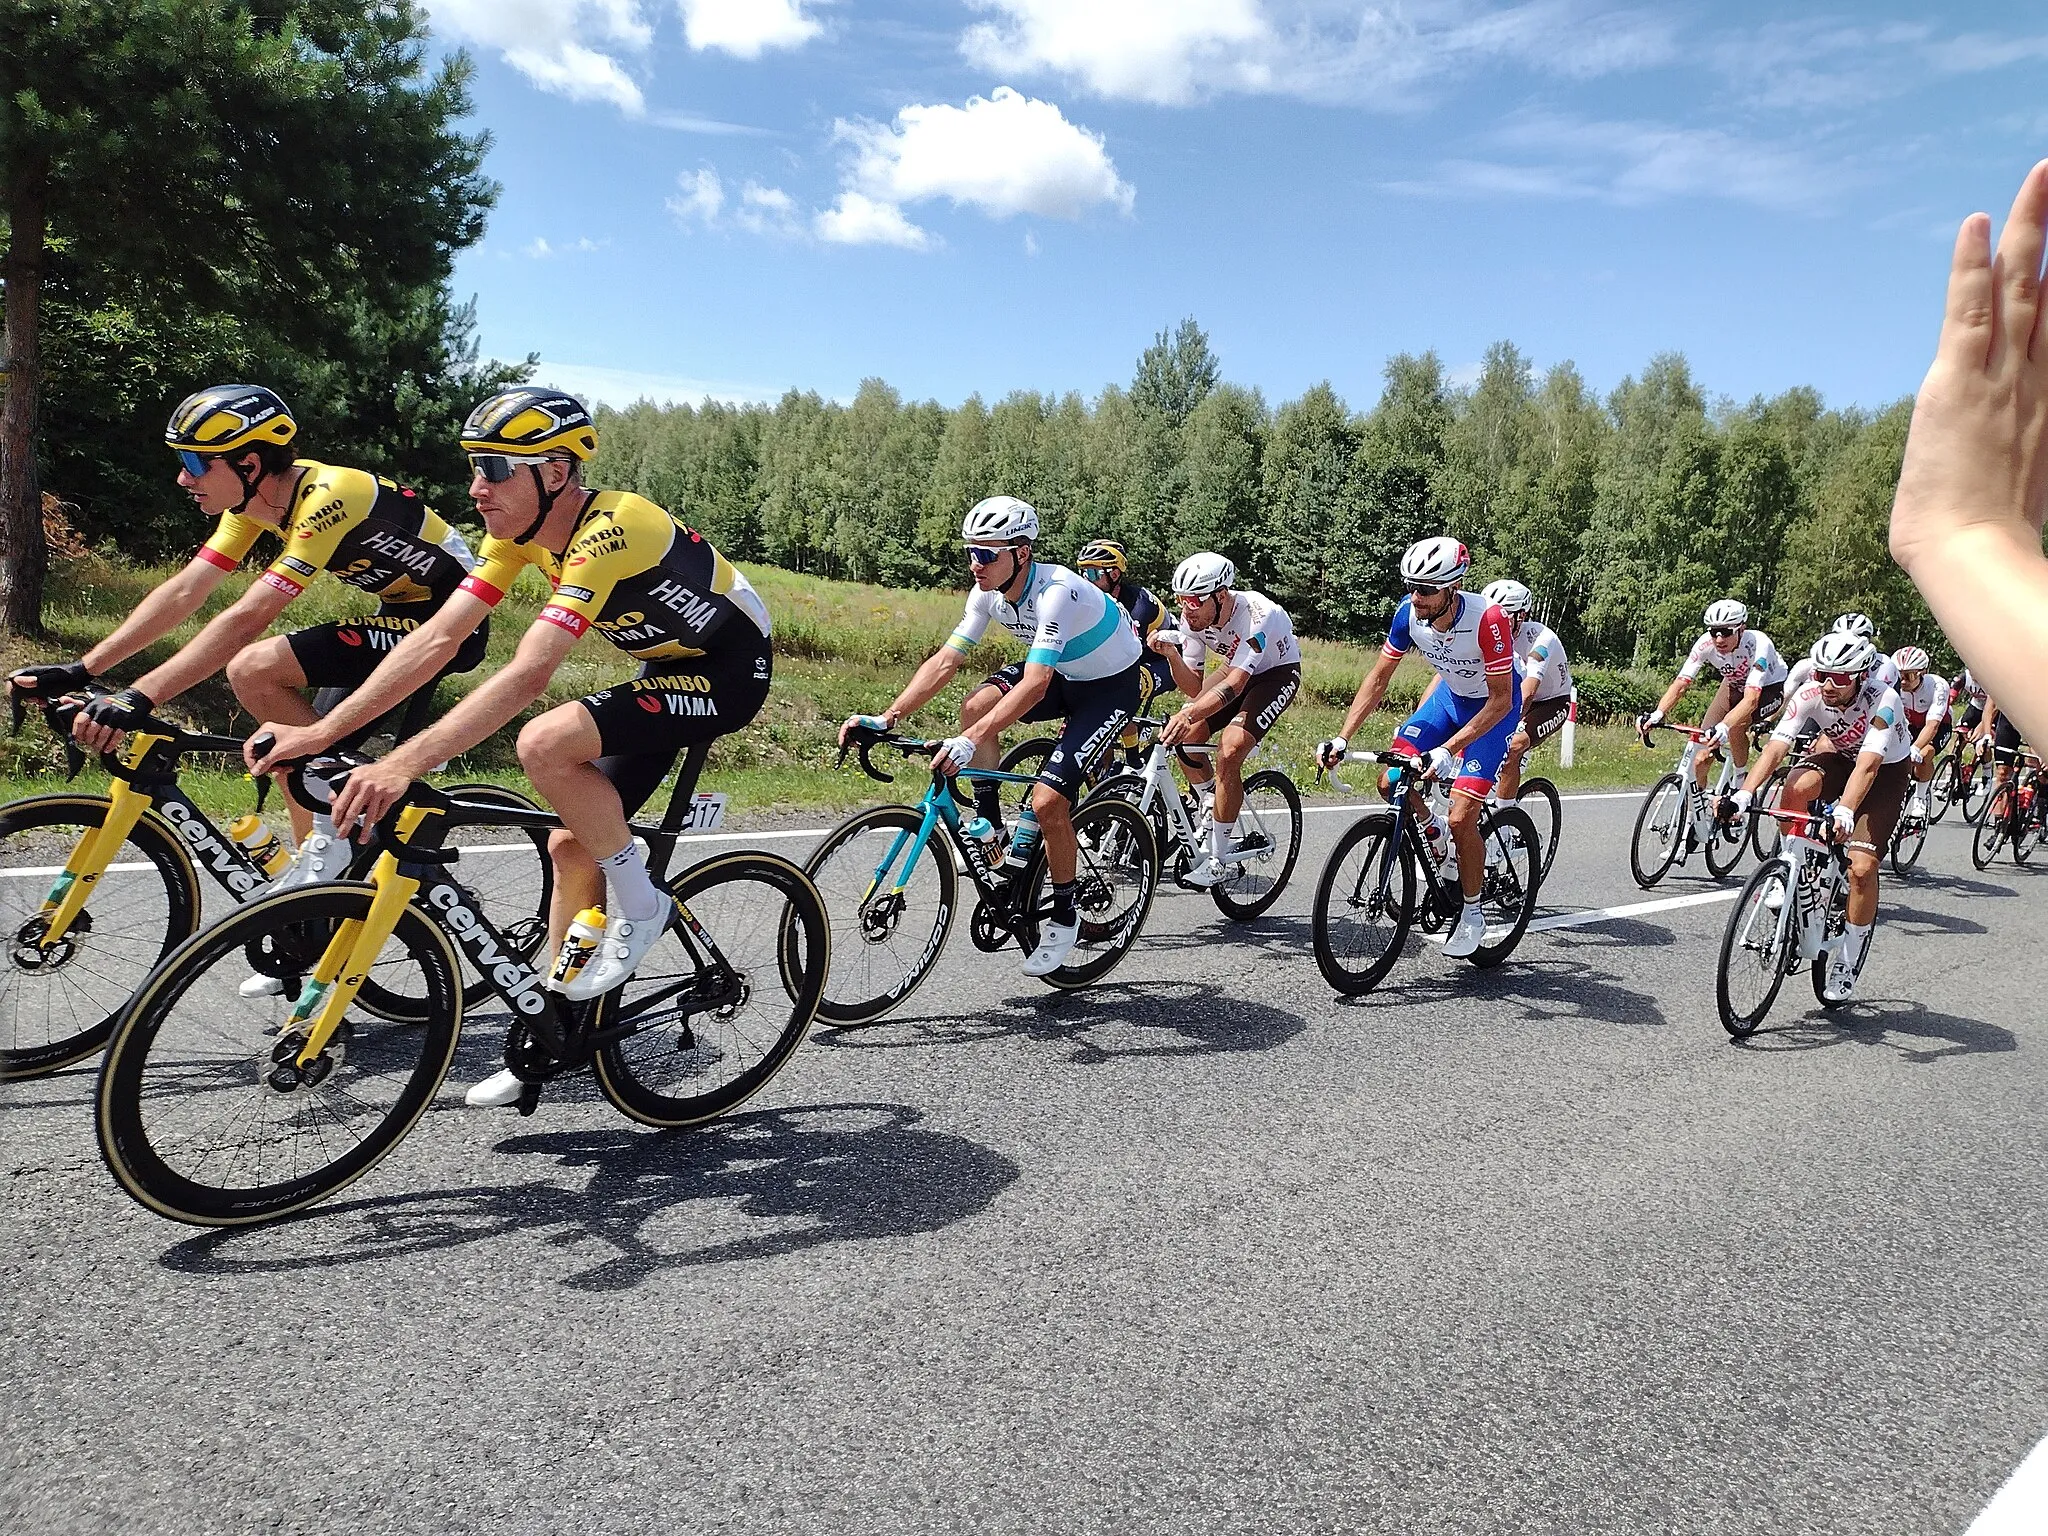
point(121, 711)
point(49, 682)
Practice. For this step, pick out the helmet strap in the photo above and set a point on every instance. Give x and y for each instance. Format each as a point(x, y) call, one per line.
point(547, 500)
point(250, 484)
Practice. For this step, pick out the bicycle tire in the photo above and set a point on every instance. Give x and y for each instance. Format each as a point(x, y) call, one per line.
point(1374, 832)
point(1668, 795)
point(1908, 838)
point(45, 828)
point(1977, 788)
point(1028, 756)
point(1505, 890)
point(169, 1047)
point(1243, 899)
point(516, 907)
point(1115, 849)
point(1941, 788)
point(855, 993)
point(1129, 787)
point(1543, 805)
point(1765, 831)
point(641, 1072)
point(1819, 971)
point(1741, 1022)
point(1991, 830)
point(1725, 847)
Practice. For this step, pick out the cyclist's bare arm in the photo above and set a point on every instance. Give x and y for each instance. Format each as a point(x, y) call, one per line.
point(1861, 777)
point(926, 684)
point(418, 659)
point(1766, 764)
point(1372, 690)
point(1677, 691)
point(159, 613)
point(1737, 719)
point(1229, 685)
point(234, 627)
point(1186, 678)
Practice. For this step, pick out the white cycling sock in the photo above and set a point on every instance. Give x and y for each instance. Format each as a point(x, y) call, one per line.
point(1220, 835)
point(634, 896)
point(1854, 937)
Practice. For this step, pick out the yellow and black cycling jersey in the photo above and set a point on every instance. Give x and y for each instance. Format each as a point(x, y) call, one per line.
point(634, 573)
point(371, 532)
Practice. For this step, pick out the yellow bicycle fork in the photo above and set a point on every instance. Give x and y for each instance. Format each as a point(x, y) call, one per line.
point(95, 851)
point(346, 961)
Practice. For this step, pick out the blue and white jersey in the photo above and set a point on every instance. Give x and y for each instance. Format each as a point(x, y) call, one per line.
point(1065, 622)
point(1476, 646)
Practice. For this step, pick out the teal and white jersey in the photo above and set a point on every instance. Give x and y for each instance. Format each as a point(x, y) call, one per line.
point(1066, 623)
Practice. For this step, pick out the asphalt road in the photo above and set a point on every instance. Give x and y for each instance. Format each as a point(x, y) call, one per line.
point(1205, 1249)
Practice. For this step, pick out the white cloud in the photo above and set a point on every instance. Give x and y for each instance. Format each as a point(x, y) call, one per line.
point(747, 28)
point(623, 386)
point(539, 248)
point(1163, 51)
point(1030, 243)
point(1004, 153)
point(858, 220)
point(551, 42)
point(767, 211)
point(699, 199)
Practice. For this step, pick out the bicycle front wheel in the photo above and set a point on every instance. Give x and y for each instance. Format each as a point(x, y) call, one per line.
point(715, 1011)
point(1514, 873)
point(1977, 783)
point(1365, 902)
point(58, 1001)
point(1756, 950)
point(1270, 823)
point(1725, 844)
point(1541, 803)
point(1115, 873)
point(1764, 831)
point(1660, 829)
point(507, 873)
point(887, 933)
point(1990, 833)
point(1941, 789)
point(200, 1118)
point(1907, 840)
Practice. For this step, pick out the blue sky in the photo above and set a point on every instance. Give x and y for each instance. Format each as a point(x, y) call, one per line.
point(962, 196)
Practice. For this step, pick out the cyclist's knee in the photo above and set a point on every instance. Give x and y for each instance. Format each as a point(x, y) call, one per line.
point(1464, 810)
point(265, 663)
point(979, 703)
point(566, 851)
point(1049, 804)
point(556, 739)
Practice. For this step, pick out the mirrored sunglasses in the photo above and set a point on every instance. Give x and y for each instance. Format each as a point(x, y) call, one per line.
point(196, 464)
point(1840, 679)
point(988, 554)
point(497, 467)
point(1722, 631)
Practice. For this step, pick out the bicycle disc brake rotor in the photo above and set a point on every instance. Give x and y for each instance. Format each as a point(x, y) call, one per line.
point(879, 919)
point(29, 953)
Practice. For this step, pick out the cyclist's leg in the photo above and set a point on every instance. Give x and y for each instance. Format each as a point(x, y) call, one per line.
point(1718, 706)
point(271, 681)
point(988, 793)
point(1436, 717)
point(2005, 751)
point(1477, 771)
point(1266, 698)
point(1096, 713)
point(1876, 818)
point(1770, 700)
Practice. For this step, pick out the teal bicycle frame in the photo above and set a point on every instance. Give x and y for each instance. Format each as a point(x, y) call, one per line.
point(939, 806)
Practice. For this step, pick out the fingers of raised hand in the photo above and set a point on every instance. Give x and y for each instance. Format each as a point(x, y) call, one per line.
point(2018, 267)
point(1967, 316)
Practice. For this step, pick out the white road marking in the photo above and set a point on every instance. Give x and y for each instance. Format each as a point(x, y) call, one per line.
point(1632, 909)
point(2020, 1508)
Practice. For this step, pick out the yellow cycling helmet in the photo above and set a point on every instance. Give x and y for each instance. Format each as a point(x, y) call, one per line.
point(230, 416)
point(531, 422)
point(1103, 554)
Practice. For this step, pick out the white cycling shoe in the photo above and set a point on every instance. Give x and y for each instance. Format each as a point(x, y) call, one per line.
point(625, 944)
point(1917, 808)
point(1841, 982)
point(1213, 871)
point(1466, 938)
point(1056, 942)
point(317, 859)
point(496, 1091)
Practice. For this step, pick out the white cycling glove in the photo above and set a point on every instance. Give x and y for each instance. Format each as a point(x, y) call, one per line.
point(1919, 757)
point(1718, 736)
point(1844, 819)
point(1740, 800)
point(1331, 753)
point(954, 753)
point(866, 723)
point(1647, 721)
point(1442, 764)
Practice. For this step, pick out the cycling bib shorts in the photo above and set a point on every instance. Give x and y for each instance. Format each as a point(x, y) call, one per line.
point(1440, 717)
point(644, 725)
point(1096, 712)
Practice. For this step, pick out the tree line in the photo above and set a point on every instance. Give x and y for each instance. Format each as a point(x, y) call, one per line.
point(1625, 515)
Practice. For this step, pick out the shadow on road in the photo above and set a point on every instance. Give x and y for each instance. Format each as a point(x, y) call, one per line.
point(1609, 933)
point(1536, 989)
point(1912, 1029)
point(1921, 923)
point(1105, 1023)
point(1283, 934)
point(1961, 885)
point(751, 1186)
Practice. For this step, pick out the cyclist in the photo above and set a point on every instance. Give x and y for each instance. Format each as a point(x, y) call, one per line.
point(1862, 625)
point(1260, 676)
point(1860, 760)
point(1751, 688)
point(1106, 564)
point(1082, 665)
point(637, 575)
point(1463, 724)
point(1924, 696)
point(235, 462)
point(1546, 682)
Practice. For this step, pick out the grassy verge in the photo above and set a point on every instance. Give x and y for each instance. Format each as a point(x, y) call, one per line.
point(841, 647)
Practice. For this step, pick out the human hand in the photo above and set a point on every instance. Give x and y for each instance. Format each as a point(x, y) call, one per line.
point(862, 723)
point(1443, 764)
point(1180, 725)
point(1844, 819)
point(1330, 754)
point(954, 753)
point(100, 726)
point(1977, 451)
point(371, 791)
point(287, 744)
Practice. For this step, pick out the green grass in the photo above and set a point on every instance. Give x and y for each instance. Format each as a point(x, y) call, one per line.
point(841, 648)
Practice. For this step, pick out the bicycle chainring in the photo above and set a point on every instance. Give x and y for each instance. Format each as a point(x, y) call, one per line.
point(988, 928)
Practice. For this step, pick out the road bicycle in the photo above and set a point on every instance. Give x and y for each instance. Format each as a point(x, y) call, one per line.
point(1954, 772)
point(1268, 826)
point(1909, 836)
point(1382, 878)
point(2015, 817)
point(220, 1110)
point(891, 885)
point(1677, 817)
point(1792, 913)
point(95, 889)
point(1539, 801)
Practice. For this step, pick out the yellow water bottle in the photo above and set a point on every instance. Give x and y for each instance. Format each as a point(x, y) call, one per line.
point(263, 846)
point(579, 944)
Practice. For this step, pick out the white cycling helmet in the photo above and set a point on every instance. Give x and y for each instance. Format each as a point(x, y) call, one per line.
point(1727, 611)
point(1858, 624)
point(1910, 658)
point(1438, 562)
point(1509, 596)
point(1840, 651)
point(1203, 573)
point(999, 520)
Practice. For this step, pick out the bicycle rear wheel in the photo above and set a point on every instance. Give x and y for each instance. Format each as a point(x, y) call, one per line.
point(1115, 874)
point(58, 1003)
point(1026, 757)
point(1941, 789)
point(1725, 845)
point(707, 1037)
point(1756, 950)
point(192, 1121)
point(1514, 874)
point(1271, 819)
point(885, 941)
point(1977, 785)
point(1660, 827)
point(1990, 833)
point(1365, 902)
point(1541, 803)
